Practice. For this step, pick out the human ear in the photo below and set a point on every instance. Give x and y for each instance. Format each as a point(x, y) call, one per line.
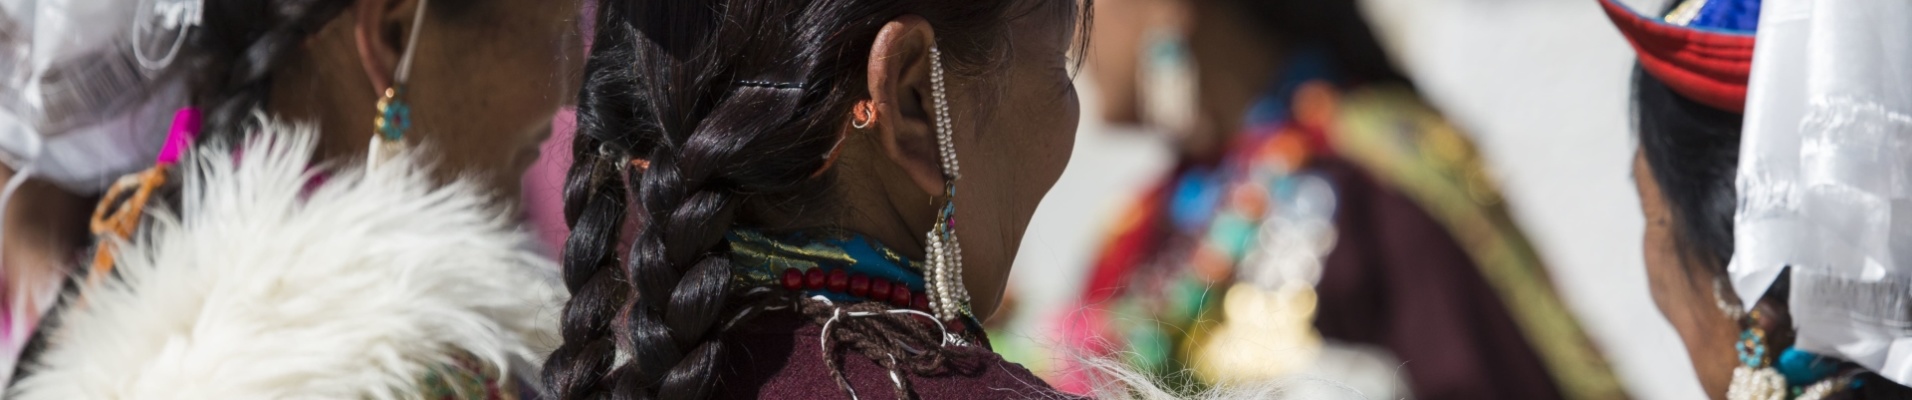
point(900, 90)
point(381, 29)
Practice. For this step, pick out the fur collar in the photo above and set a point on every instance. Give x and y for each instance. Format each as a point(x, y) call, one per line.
point(260, 287)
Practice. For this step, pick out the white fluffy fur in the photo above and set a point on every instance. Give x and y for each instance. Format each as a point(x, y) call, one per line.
point(261, 289)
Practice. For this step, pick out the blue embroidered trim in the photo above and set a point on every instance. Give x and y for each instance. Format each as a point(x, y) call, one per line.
point(764, 257)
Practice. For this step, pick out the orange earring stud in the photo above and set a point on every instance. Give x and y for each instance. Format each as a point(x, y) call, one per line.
point(864, 117)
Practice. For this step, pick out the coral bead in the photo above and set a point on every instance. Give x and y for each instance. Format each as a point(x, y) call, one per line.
point(878, 289)
point(920, 303)
point(814, 279)
point(839, 281)
point(792, 279)
point(900, 295)
point(859, 285)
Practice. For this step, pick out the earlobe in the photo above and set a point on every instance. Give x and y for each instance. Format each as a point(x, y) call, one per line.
point(899, 81)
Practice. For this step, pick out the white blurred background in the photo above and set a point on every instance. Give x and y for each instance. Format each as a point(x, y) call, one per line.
point(1542, 87)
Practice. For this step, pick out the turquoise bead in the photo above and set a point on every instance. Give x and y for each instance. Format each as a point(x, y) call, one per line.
point(398, 119)
point(1752, 348)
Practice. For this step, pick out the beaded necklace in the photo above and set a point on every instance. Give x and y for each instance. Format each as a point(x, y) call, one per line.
point(837, 265)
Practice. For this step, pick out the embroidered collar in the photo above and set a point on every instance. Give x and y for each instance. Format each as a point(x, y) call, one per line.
point(835, 264)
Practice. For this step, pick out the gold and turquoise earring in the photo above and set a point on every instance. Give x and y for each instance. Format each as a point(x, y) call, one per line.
point(394, 118)
point(1755, 378)
point(949, 299)
point(394, 113)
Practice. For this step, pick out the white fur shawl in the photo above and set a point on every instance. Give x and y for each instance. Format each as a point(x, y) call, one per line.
point(263, 288)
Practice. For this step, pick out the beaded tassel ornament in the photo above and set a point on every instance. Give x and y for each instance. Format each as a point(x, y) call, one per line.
point(394, 114)
point(948, 298)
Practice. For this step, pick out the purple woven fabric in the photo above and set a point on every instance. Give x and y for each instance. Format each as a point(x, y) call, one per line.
point(778, 357)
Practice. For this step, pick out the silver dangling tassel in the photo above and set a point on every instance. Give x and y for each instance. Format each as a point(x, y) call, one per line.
point(948, 298)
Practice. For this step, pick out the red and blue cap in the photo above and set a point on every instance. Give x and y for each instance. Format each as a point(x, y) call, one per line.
point(1702, 49)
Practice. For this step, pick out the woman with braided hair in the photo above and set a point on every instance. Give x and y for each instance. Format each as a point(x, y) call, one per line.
point(807, 198)
point(282, 238)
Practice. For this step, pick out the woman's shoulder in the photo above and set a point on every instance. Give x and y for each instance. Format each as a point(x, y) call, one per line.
point(265, 283)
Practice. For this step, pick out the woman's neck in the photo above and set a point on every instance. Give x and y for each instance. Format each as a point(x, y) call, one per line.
point(873, 199)
point(44, 227)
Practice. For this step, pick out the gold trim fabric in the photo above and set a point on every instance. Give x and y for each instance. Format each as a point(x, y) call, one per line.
point(1404, 142)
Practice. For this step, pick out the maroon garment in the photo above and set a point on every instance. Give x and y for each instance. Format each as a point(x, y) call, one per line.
point(778, 357)
point(1397, 279)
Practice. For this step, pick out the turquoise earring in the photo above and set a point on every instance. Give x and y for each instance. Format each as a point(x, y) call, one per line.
point(394, 113)
point(1755, 378)
point(394, 118)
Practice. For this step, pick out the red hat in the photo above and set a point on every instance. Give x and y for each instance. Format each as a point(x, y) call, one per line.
point(1709, 65)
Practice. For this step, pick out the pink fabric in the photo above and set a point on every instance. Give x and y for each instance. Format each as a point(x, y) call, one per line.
point(179, 139)
point(544, 184)
point(1082, 331)
point(9, 340)
point(21, 306)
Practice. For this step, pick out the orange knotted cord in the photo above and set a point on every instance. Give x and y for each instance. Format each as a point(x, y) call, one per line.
point(121, 222)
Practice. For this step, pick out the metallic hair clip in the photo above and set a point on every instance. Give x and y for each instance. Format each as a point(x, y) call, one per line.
point(609, 152)
point(771, 85)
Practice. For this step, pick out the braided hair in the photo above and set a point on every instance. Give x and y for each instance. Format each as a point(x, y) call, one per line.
point(230, 57)
point(730, 106)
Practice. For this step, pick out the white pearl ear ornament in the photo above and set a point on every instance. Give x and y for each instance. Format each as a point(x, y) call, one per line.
point(949, 299)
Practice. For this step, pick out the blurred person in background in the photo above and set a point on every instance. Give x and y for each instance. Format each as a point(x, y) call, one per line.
point(315, 199)
point(1323, 220)
point(1771, 171)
